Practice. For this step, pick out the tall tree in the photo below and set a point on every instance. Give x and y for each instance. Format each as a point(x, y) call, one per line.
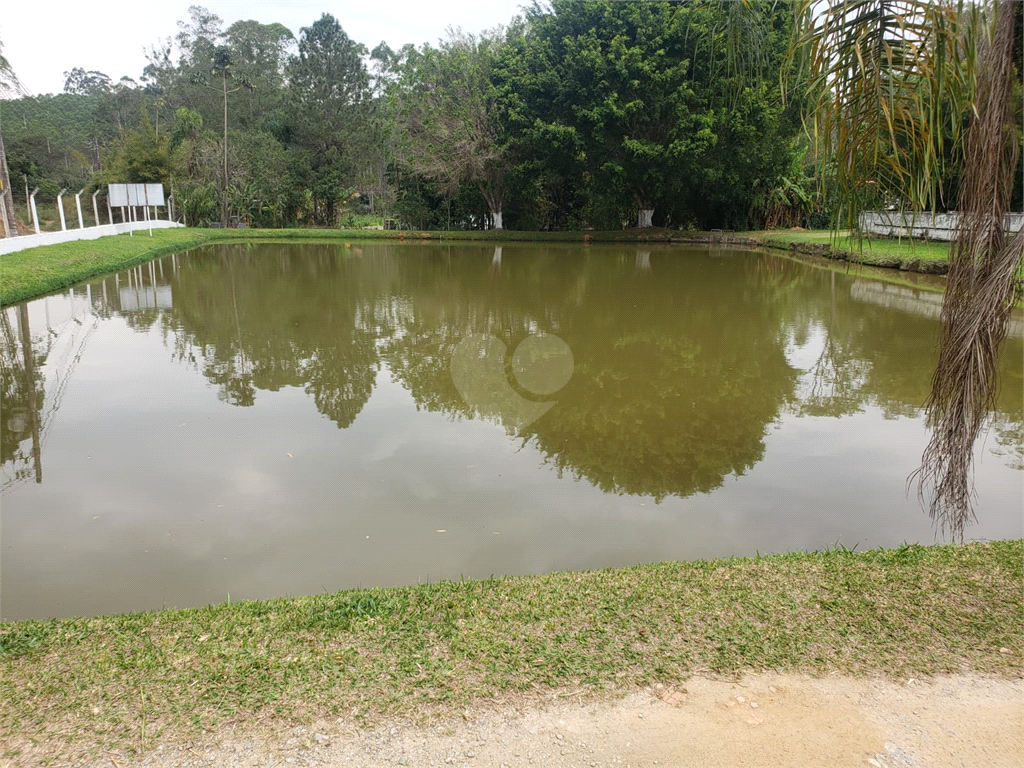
point(624, 84)
point(450, 116)
point(90, 83)
point(9, 86)
point(222, 65)
point(259, 53)
point(329, 85)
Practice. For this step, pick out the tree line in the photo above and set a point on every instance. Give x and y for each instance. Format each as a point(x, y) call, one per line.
point(574, 115)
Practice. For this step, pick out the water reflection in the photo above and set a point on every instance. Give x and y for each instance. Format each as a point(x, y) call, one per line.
point(35, 369)
point(704, 384)
point(676, 379)
point(21, 385)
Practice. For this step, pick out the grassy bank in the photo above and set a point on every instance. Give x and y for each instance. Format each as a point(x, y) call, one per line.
point(36, 271)
point(102, 683)
point(906, 255)
point(48, 268)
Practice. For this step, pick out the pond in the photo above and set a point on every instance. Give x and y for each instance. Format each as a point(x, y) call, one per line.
point(258, 420)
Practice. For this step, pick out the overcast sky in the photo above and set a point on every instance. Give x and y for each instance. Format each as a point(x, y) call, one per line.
point(44, 40)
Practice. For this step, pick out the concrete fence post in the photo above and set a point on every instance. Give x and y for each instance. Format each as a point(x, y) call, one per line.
point(95, 208)
point(8, 232)
point(35, 212)
point(60, 209)
point(78, 205)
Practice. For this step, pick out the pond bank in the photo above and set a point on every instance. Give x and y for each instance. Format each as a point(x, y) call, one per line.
point(33, 272)
point(928, 258)
point(75, 688)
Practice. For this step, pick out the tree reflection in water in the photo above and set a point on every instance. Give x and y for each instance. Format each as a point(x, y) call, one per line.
point(683, 359)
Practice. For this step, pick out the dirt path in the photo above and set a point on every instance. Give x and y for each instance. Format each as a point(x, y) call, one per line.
point(763, 720)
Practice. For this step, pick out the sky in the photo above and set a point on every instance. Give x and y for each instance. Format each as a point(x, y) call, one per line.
point(43, 41)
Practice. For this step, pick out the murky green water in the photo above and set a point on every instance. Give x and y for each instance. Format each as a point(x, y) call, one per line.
point(264, 420)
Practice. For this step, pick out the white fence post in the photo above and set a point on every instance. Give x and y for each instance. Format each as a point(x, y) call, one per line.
point(95, 209)
point(35, 213)
point(60, 209)
point(78, 205)
point(8, 232)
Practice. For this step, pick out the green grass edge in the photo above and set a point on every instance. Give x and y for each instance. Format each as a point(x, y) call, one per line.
point(909, 611)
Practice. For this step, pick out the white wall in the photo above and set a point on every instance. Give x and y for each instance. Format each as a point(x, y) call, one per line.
point(925, 226)
point(13, 244)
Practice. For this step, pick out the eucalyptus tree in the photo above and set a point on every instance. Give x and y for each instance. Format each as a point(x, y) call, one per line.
point(90, 83)
point(259, 53)
point(186, 82)
point(450, 116)
point(382, 133)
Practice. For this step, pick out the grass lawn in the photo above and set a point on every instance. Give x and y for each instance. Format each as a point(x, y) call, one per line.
point(104, 683)
point(878, 251)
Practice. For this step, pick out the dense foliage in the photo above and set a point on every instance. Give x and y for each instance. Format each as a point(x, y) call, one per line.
point(579, 114)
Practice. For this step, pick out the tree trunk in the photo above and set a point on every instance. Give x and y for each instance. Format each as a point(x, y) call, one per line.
point(5, 182)
point(493, 192)
point(224, 199)
point(645, 218)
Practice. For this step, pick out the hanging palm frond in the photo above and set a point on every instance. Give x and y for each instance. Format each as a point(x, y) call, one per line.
point(887, 84)
point(981, 289)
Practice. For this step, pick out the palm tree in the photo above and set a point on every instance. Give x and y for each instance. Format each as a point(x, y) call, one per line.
point(982, 287)
point(890, 83)
point(9, 86)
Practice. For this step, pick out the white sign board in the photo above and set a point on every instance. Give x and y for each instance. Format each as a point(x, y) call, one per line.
point(121, 195)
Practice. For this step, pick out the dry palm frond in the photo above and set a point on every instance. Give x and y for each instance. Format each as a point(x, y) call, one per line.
point(981, 289)
point(887, 82)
